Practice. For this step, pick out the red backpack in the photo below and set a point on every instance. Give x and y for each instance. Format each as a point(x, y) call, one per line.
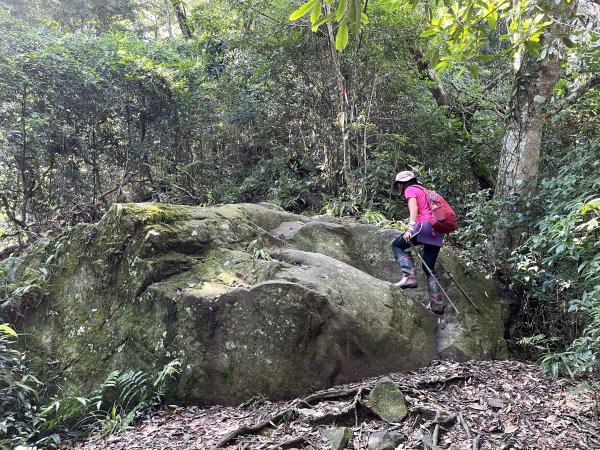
point(444, 218)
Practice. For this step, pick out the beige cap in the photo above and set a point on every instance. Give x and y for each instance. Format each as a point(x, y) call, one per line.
point(405, 175)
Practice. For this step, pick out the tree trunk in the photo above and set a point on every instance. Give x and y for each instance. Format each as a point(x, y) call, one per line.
point(182, 19)
point(519, 161)
point(168, 19)
point(521, 143)
point(343, 109)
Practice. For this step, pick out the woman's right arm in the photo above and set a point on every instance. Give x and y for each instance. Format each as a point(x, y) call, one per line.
point(413, 211)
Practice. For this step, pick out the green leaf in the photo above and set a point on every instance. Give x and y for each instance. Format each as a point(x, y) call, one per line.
point(474, 69)
point(321, 20)
point(341, 39)
point(316, 12)
point(341, 10)
point(428, 12)
point(8, 330)
point(455, 9)
point(441, 67)
point(435, 56)
point(303, 10)
point(432, 55)
point(429, 32)
point(533, 48)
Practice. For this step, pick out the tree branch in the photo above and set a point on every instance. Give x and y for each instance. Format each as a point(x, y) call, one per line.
point(438, 91)
point(492, 84)
point(574, 97)
point(10, 212)
point(126, 178)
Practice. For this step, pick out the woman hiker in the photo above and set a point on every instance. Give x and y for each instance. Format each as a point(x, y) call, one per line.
point(419, 232)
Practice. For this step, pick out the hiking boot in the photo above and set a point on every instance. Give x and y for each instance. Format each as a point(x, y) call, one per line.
point(409, 272)
point(436, 299)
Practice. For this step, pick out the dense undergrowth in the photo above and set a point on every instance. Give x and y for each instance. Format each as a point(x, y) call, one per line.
point(553, 276)
point(30, 420)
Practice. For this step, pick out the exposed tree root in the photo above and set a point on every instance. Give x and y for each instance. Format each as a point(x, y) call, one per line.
point(271, 421)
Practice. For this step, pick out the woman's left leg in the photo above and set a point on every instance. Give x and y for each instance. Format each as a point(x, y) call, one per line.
point(430, 256)
point(436, 299)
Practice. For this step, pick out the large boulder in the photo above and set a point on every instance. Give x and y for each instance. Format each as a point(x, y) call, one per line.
point(252, 299)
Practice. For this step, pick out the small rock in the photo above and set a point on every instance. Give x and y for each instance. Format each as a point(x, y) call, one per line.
point(397, 437)
point(387, 401)
point(495, 402)
point(417, 435)
point(385, 440)
point(338, 437)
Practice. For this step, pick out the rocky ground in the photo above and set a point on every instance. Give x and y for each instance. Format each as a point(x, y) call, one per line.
point(472, 405)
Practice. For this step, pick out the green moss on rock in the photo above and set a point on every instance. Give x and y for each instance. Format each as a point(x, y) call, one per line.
point(387, 401)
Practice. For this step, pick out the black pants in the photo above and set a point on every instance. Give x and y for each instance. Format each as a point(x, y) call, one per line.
point(430, 252)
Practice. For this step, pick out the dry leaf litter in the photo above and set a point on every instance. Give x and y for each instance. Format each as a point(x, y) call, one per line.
point(471, 405)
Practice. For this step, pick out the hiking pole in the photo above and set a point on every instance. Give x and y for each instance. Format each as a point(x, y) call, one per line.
point(460, 287)
point(463, 291)
point(432, 275)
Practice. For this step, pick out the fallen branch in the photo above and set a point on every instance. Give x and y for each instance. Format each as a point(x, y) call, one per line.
point(477, 442)
point(332, 417)
point(292, 442)
point(436, 435)
point(254, 428)
point(329, 395)
point(437, 417)
point(354, 403)
point(339, 393)
point(465, 425)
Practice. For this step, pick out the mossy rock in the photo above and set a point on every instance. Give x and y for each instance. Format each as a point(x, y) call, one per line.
point(387, 401)
point(254, 301)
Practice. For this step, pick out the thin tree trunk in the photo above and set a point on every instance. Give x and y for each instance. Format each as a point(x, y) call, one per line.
point(342, 103)
point(366, 128)
point(182, 19)
point(168, 19)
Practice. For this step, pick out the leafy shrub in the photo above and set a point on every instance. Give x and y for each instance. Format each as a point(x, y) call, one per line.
point(342, 207)
point(555, 272)
point(559, 265)
point(18, 414)
point(110, 408)
point(478, 221)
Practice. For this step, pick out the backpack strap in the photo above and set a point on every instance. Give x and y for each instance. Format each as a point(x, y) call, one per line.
point(427, 193)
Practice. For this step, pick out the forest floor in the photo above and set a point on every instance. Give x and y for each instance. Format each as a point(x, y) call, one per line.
point(472, 405)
